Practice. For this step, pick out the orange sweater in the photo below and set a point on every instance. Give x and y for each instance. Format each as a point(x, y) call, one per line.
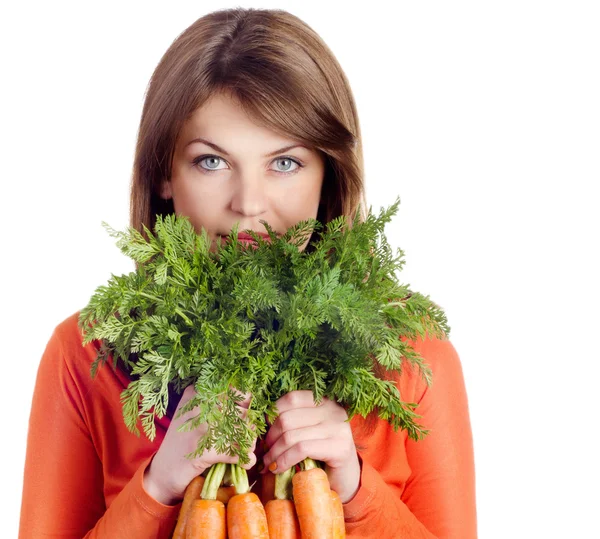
point(84, 469)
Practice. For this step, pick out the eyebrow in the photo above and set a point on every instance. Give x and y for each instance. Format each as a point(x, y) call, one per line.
point(219, 149)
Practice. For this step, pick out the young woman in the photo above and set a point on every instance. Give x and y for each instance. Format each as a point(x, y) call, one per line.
point(247, 117)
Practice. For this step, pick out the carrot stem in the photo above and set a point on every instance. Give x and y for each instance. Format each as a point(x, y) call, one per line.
point(227, 481)
point(283, 484)
point(239, 478)
point(309, 464)
point(213, 481)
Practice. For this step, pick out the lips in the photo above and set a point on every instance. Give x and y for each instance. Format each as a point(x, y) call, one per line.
point(242, 236)
point(247, 238)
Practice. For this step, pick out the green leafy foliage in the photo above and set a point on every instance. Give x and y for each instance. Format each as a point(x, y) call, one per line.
point(265, 319)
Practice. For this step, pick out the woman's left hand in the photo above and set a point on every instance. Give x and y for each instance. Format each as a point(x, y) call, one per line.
point(305, 430)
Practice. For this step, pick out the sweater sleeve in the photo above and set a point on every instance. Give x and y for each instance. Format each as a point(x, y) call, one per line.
point(438, 500)
point(63, 483)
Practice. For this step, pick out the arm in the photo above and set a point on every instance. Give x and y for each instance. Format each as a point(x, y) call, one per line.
point(63, 480)
point(439, 496)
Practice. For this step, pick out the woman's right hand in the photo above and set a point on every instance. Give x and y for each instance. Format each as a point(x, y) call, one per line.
point(170, 472)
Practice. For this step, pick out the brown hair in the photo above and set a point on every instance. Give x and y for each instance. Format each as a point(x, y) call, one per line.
point(286, 79)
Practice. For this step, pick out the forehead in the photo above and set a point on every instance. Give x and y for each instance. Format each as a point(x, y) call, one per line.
point(219, 105)
point(222, 115)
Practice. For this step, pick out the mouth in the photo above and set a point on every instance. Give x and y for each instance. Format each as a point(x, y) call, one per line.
point(246, 239)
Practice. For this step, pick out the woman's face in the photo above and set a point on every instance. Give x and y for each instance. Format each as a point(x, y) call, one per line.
point(241, 172)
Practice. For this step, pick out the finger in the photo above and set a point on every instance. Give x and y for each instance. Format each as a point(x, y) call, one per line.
point(324, 450)
point(212, 457)
point(233, 459)
point(294, 437)
point(296, 399)
point(251, 456)
point(253, 446)
point(294, 419)
point(216, 457)
point(252, 462)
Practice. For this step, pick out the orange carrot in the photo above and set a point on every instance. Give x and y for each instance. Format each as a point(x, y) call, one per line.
point(224, 494)
point(206, 520)
point(267, 491)
point(282, 519)
point(339, 525)
point(281, 513)
point(207, 516)
point(192, 492)
point(246, 518)
point(312, 498)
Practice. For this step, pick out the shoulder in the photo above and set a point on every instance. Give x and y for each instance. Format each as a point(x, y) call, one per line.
point(67, 332)
point(442, 359)
point(68, 336)
point(66, 352)
point(439, 353)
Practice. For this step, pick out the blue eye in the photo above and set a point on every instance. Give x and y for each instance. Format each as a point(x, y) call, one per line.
point(209, 158)
point(213, 161)
point(290, 161)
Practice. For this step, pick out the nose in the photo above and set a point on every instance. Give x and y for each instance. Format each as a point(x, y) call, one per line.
point(250, 195)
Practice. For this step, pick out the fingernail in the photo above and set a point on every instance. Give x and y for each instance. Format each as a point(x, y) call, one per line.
point(273, 466)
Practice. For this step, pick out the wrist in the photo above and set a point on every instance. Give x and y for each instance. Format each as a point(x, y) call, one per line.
point(353, 489)
point(350, 497)
point(156, 490)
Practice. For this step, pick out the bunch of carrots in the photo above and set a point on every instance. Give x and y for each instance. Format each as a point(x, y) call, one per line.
point(303, 507)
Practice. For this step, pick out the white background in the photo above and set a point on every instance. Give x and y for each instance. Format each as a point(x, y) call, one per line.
point(484, 117)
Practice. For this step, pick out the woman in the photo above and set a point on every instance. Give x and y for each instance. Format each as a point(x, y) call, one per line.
point(247, 117)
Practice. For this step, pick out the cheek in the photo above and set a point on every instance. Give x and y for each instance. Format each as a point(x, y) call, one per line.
point(302, 205)
point(200, 207)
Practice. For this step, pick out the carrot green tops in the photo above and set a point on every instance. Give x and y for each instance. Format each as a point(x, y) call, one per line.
point(84, 469)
